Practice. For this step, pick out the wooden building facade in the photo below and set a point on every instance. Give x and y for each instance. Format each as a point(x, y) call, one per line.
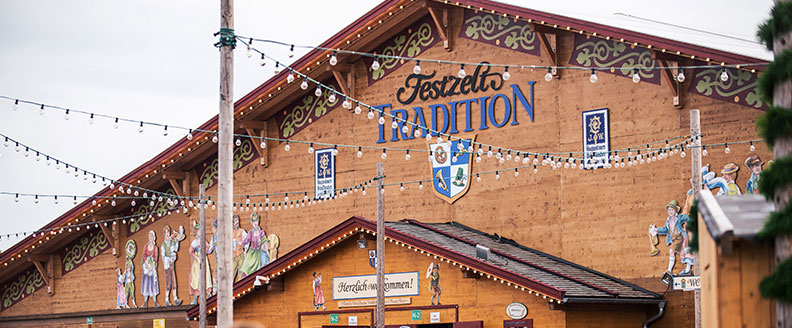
point(594, 219)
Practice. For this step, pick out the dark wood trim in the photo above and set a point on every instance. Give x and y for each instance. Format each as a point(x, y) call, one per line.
point(300, 314)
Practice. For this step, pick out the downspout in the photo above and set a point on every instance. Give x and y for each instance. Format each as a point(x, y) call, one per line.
point(657, 316)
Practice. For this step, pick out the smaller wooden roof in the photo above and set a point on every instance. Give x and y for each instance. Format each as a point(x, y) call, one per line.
point(740, 216)
point(510, 263)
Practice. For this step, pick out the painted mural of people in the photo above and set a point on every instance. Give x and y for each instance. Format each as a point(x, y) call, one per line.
point(318, 295)
point(254, 241)
point(213, 243)
point(129, 273)
point(726, 181)
point(675, 231)
point(754, 165)
point(274, 242)
point(149, 287)
point(433, 274)
point(239, 236)
point(121, 301)
point(195, 267)
point(170, 249)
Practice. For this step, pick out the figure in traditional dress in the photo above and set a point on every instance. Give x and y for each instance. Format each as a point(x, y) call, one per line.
point(170, 248)
point(675, 231)
point(121, 301)
point(129, 272)
point(726, 182)
point(213, 243)
point(239, 236)
point(754, 165)
point(150, 285)
point(253, 243)
point(318, 295)
point(274, 242)
point(195, 267)
point(433, 273)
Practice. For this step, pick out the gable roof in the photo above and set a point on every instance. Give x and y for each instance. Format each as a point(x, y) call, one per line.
point(739, 216)
point(379, 19)
point(513, 264)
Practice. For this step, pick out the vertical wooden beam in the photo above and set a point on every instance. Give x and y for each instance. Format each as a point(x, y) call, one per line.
point(202, 254)
point(380, 246)
point(695, 168)
point(225, 179)
point(441, 22)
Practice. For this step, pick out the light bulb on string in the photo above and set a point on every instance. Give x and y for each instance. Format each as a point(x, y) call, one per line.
point(249, 51)
point(318, 91)
point(310, 148)
point(593, 78)
point(420, 185)
point(263, 143)
point(680, 76)
point(16, 198)
point(497, 175)
point(727, 149)
point(238, 142)
point(290, 77)
point(304, 84)
point(15, 106)
point(516, 173)
point(115, 124)
point(360, 152)
point(682, 154)
point(291, 52)
point(375, 65)
point(66, 116)
point(332, 97)
point(333, 59)
point(417, 133)
point(401, 187)
point(407, 156)
point(461, 72)
point(636, 77)
point(384, 155)
point(38, 157)
point(263, 60)
point(549, 76)
point(287, 147)
point(36, 200)
point(704, 151)
point(41, 111)
point(189, 135)
point(478, 178)
point(724, 76)
point(506, 76)
point(347, 104)
point(394, 124)
point(214, 138)
point(428, 135)
point(417, 68)
point(358, 110)
point(140, 128)
point(752, 147)
point(165, 131)
point(75, 200)
point(405, 129)
point(381, 120)
point(335, 150)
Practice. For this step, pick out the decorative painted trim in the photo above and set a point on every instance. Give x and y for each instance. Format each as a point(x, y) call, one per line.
point(22, 285)
point(305, 111)
point(500, 31)
point(159, 208)
point(244, 154)
point(741, 88)
point(597, 53)
point(82, 250)
point(410, 42)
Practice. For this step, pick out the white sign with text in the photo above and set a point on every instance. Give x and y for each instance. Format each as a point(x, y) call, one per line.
point(396, 284)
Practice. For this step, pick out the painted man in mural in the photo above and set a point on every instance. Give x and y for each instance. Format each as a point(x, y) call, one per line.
point(170, 249)
point(675, 231)
point(150, 285)
point(195, 267)
point(214, 242)
point(754, 165)
point(318, 295)
point(726, 182)
point(254, 242)
point(433, 274)
point(129, 273)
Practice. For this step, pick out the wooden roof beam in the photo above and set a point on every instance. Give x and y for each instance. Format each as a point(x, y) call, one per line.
point(111, 234)
point(44, 264)
point(344, 75)
point(258, 129)
point(549, 51)
point(670, 78)
point(440, 17)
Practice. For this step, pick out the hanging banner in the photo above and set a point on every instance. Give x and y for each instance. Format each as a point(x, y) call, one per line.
point(324, 173)
point(354, 287)
point(596, 139)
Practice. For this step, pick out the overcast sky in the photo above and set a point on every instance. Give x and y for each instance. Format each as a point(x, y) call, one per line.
point(155, 61)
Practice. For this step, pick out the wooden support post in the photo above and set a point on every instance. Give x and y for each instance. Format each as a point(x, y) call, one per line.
point(695, 168)
point(380, 246)
point(548, 50)
point(202, 254)
point(44, 267)
point(257, 128)
point(225, 179)
point(670, 79)
point(440, 17)
point(109, 232)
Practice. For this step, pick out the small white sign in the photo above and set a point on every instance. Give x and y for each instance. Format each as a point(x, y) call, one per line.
point(324, 173)
point(352, 319)
point(687, 283)
point(516, 311)
point(434, 317)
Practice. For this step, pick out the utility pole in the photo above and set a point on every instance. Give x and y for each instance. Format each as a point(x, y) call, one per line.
point(380, 246)
point(202, 254)
point(782, 97)
point(225, 180)
point(695, 181)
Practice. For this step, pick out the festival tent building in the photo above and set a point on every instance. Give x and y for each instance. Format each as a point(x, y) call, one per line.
point(566, 136)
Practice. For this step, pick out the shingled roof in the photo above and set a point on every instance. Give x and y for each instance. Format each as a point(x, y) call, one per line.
point(536, 271)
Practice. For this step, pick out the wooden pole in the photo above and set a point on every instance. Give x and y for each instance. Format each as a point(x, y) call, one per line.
point(202, 254)
point(380, 246)
point(695, 170)
point(225, 180)
point(782, 97)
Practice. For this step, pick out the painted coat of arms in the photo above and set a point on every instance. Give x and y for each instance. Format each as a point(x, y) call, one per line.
point(451, 163)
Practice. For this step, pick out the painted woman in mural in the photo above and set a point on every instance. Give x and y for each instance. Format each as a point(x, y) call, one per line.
point(170, 249)
point(195, 267)
point(254, 241)
point(675, 230)
point(150, 285)
point(754, 165)
point(238, 248)
point(121, 301)
point(433, 274)
point(129, 273)
point(318, 295)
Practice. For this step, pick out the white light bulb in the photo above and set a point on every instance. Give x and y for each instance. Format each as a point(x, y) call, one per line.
point(636, 78)
point(304, 85)
point(752, 147)
point(310, 149)
point(593, 78)
point(346, 104)
point(333, 60)
point(417, 133)
point(420, 185)
point(497, 176)
point(405, 129)
point(516, 173)
point(384, 155)
point(189, 136)
point(249, 52)
point(214, 138)
point(287, 147)
point(704, 152)
point(724, 76)
point(370, 114)
point(394, 125)
point(238, 142)
point(359, 153)
point(375, 65)
point(290, 77)
point(115, 125)
point(681, 77)
point(428, 136)
point(407, 156)
point(381, 120)
point(66, 116)
point(478, 159)
point(461, 72)
point(140, 128)
point(318, 91)
point(548, 76)
point(727, 149)
point(133, 202)
point(263, 144)
point(332, 97)
point(41, 111)
point(15, 106)
point(506, 76)
point(417, 68)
